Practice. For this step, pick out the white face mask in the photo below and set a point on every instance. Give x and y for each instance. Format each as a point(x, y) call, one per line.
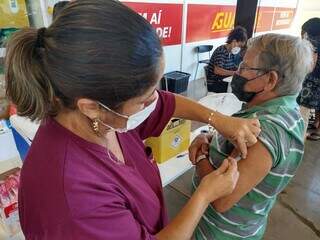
point(235, 50)
point(134, 120)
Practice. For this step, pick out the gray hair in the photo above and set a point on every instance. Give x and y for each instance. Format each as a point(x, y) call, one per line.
point(291, 57)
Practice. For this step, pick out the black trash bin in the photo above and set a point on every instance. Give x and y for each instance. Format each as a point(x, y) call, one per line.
point(176, 81)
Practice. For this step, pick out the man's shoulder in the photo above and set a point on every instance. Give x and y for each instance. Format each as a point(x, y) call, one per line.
point(275, 116)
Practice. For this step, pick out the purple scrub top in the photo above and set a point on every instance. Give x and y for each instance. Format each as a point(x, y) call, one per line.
point(73, 189)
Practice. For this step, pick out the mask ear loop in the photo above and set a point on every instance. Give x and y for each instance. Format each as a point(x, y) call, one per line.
point(110, 128)
point(110, 110)
point(256, 78)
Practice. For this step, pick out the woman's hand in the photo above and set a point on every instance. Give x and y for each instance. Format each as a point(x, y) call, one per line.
point(220, 182)
point(241, 132)
point(215, 185)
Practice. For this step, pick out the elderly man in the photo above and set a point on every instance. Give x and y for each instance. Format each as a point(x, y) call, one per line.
point(269, 80)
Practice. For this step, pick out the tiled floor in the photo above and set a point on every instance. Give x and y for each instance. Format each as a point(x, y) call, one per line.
point(296, 215)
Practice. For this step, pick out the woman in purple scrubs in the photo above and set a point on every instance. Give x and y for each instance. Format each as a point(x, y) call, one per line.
point(91, 78)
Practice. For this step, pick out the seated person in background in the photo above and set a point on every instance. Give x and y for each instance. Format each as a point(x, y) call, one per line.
point(269, 80)
point(309, 97)
point(223, 62)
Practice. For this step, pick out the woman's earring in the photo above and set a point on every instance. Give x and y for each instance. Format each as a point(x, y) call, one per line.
point(95, 125)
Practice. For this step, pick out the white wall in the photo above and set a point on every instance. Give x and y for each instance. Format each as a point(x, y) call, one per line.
point(172, 55)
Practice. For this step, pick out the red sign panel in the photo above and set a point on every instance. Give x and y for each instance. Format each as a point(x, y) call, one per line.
point(209, 21)
point(283, 18)
point(264, 19)
point(165, 18)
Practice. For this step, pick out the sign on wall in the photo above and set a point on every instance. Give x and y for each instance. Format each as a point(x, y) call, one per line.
point(264, 19)
point(206, 22)
point(283, 18)
point(209, 21)
point(165, 18)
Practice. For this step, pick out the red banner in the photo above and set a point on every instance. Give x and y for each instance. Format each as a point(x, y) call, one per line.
point(264, 19)
point(165, 18)
point(283, 18)
point(205, 22)
point(209, 21)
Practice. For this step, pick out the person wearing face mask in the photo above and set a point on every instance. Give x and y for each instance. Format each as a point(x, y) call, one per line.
point(309, 97)
point(224, 60)
point(268, 80)
point(88, 174)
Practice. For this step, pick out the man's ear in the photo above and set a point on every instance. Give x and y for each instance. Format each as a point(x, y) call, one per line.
point(272, 81)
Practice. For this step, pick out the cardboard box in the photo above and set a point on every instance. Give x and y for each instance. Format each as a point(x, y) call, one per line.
point(174, 139)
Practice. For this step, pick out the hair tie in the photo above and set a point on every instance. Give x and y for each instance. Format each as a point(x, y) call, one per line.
point(40, 37)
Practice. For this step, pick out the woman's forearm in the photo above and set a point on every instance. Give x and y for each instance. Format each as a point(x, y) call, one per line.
point(189, 109)
point(184, 224)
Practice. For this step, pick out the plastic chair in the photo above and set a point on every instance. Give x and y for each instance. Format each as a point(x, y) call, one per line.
point(202, 49)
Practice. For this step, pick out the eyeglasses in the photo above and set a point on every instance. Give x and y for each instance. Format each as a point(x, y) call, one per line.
point(242, 66)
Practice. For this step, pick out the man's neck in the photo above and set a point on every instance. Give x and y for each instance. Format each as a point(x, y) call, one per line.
point(259, 99)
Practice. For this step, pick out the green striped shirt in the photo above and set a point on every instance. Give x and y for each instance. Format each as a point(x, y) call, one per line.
point(282, 132)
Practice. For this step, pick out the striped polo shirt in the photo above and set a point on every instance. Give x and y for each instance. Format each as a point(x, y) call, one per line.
point(222, 58)
point(282, 132)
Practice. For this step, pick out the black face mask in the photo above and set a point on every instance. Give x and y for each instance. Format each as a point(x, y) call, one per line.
point(237, 84)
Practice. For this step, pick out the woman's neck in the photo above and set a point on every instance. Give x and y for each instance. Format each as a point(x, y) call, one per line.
point(81, 126)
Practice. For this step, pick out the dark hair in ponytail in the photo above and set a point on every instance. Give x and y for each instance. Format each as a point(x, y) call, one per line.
point(28, 85)
point(95, 49)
